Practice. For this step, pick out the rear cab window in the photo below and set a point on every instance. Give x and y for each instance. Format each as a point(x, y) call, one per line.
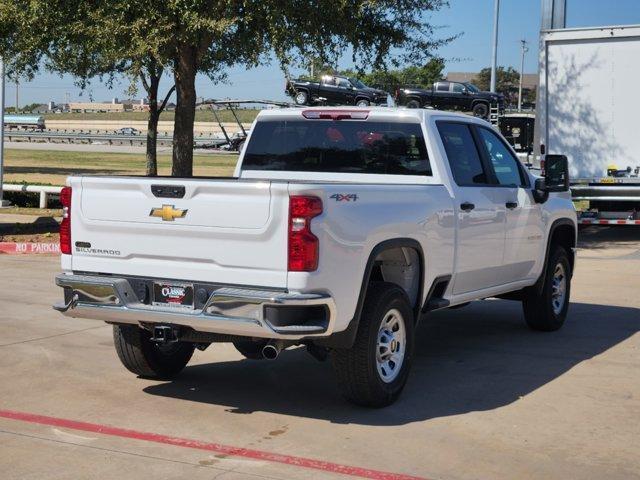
point(337, 146)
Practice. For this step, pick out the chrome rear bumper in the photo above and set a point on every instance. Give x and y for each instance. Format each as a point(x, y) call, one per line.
point(231, 311)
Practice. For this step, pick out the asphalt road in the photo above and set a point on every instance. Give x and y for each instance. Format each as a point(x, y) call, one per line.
point(102, 148)
point(487, 398)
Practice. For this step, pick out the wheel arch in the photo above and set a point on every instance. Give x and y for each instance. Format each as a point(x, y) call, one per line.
point(345, 338)
point(362, 96)
point(414, 98)
point(481, 101)
point(297, 90)
point(562, 232)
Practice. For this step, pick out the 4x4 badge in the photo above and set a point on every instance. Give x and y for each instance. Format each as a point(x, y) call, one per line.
point(168, 213)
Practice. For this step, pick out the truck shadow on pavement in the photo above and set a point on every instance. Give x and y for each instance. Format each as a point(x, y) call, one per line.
point(476, 358)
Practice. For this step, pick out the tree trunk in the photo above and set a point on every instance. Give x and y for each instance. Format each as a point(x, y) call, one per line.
point(185, 79)
point(152, 138)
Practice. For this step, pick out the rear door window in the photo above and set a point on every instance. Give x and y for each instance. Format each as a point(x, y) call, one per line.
point(462, 153)
point(346, 146)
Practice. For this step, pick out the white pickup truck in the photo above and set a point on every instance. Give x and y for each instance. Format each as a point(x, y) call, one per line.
point(339, 230)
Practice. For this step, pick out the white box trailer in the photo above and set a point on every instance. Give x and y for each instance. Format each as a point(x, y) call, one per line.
point(589, 110)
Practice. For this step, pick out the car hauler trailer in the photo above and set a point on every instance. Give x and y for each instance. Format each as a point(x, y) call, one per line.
point(588, 109)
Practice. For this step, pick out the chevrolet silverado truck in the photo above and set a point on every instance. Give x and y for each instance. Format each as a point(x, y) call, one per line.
point(335, 90)
point(339, 231)
point(461, 96)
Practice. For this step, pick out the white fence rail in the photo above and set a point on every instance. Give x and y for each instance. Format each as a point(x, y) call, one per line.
point(42, 190)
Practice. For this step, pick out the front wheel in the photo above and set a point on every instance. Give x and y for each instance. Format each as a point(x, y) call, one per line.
point(374, 370)
point(146, 358)
point(413, 104)
point(363, 103)
point(546, 310)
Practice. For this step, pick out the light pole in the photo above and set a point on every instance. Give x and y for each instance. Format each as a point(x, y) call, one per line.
point(2, 202)
point(525, 49)
point(494, 56)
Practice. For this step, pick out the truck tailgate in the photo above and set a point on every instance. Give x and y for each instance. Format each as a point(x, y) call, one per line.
point(221, 231)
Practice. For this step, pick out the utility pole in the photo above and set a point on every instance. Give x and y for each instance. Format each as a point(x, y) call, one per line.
point(3, 203)
point(494, 56)
point(524, 49)
point(17, 97)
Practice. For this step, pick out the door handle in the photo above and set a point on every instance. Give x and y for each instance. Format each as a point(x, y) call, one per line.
point(511, 205)
point(467, 207)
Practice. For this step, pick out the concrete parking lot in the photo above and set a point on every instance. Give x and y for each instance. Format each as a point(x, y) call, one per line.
point(487, 398)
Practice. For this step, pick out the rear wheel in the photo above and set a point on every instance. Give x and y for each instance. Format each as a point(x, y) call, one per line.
point(546, 310)
point(140, 355)
point(374, 371)
point(481, 110)
point(413, 104)
point(301, 98)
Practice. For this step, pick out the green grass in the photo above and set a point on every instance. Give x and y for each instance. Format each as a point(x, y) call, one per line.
point(245, 116)
point(40, 212)
point(52, 167)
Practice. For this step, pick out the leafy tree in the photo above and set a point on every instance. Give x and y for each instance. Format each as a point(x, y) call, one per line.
point(389, 80)
point(86, 39)
point(507, 80)
point(30, 107)
point(206, 36)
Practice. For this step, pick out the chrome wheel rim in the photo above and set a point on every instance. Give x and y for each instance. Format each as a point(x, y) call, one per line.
point(362, 103)
point(558, 289)
point(391, 346)
point(301, 98)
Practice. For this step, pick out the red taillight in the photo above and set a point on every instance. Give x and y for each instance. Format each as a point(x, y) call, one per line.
point(65, 226)
point(335, 114)
point(303, 245)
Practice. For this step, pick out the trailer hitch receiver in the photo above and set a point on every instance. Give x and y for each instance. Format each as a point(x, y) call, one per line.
point(164, 334)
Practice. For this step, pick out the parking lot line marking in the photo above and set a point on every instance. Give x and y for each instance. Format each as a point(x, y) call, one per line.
point(211, 447)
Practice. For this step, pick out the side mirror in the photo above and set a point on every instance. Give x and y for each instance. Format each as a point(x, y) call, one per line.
point(555, 177)
point(556, 173)
point(465, 91)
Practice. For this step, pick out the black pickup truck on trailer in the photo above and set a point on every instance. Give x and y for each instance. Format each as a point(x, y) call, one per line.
point(335, 90)
point(451, 96)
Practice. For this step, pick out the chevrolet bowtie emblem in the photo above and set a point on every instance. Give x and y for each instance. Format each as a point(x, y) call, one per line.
point(168, 213)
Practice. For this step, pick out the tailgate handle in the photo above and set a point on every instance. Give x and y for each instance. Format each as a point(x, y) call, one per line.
point(168, 191)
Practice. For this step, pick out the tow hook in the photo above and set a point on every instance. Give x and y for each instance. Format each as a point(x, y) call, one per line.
point(164, 334)
point(70, 304)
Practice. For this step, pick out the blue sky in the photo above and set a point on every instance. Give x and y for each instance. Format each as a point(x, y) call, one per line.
point(519, 19)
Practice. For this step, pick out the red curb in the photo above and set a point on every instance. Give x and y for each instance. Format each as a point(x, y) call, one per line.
point(28, 248)
point(211, 447)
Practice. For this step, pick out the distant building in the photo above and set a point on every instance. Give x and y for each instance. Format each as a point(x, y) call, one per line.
point(98, 107)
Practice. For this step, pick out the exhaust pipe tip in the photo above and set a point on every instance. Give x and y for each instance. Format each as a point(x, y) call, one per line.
point(270, 351)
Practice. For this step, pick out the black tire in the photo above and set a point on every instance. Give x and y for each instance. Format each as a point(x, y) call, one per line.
point(481, 110)
point(250, 349)
point(146, 358)
point(413, 104)
point(356, 368)
point(543, 311)
point(362, 102)
point(301, 97)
